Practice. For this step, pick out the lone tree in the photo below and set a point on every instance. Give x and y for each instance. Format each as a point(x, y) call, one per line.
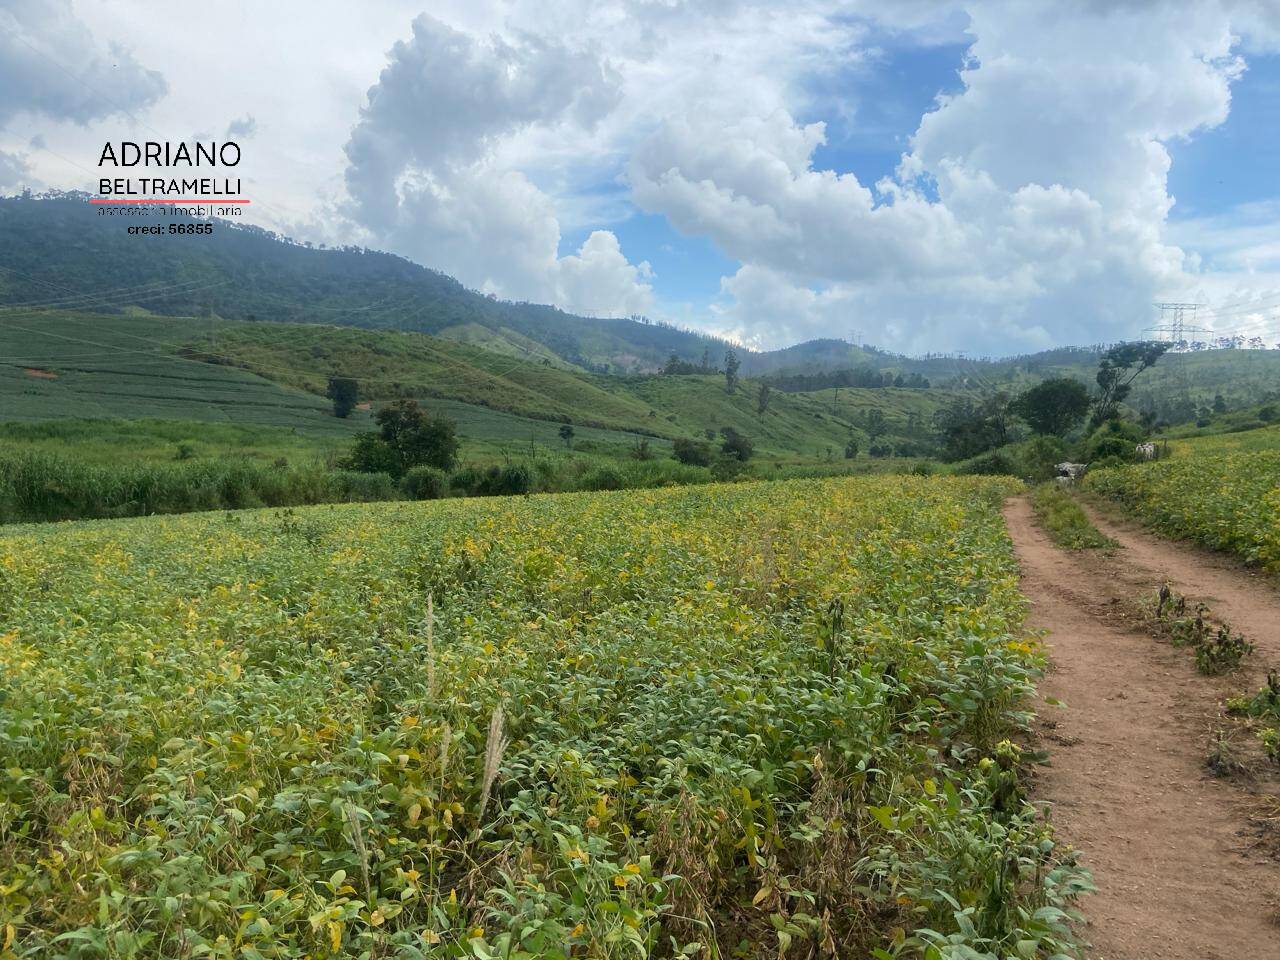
point(407, 436)
point(762, 401)
point(731, 365)
point(566, 434)
point(875, 424)
point(345, 393)
point(1117, 370)
point(1053, 407)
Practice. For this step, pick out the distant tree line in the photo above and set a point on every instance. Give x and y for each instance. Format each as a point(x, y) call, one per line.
point(856, 377)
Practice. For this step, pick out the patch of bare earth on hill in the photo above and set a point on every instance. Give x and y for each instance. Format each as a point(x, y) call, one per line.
point(1175, 850)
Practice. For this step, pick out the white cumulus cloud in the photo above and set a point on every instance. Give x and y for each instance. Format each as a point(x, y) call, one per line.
point(424, 174)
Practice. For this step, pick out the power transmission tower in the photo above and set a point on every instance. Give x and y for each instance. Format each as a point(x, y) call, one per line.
point(1174, 325)
point(1173, 321)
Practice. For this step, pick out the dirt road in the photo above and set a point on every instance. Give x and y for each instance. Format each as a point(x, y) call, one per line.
point(1168, 843)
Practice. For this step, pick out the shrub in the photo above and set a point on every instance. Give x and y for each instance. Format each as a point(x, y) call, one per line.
point(425, 483)
point(355, 485)
point(603, 478)
point(493, 481)
point(691, 452)
point(1113, 441)
point(727, 467)
point(38, 487)
point(994, 463)
point(735, 444)
point(466, 481)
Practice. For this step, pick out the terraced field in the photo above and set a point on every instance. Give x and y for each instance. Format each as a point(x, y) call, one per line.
point(55, 366)
point(747, 720)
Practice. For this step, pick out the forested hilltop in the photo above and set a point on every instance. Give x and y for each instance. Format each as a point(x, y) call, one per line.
point(56, 246)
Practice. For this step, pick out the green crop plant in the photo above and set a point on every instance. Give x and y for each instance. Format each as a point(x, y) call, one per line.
point(619, 724)
point(1229, 502)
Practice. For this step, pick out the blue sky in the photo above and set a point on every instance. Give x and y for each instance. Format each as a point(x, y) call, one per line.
point(1239, 161)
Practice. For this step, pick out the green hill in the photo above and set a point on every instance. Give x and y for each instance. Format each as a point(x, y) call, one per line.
point(80, 365)
point(58, 250)
point(70, 365)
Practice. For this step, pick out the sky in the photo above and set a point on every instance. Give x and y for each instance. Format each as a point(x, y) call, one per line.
point(993, 177)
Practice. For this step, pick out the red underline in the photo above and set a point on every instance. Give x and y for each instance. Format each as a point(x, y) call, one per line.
point(206, 200)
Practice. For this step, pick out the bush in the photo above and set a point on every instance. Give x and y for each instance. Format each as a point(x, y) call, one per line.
point(1113, 441)
point(466, 481)
point(603, 478)
point(425, 483)
point(510, 480)
point(371, 454)
point(994, 463)
point(727, 467)
point(691, 452)
point(363, 487)
point(1032, 459)
point(735, 444)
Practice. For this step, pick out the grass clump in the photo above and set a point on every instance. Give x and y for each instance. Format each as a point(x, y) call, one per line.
point(1065, 521)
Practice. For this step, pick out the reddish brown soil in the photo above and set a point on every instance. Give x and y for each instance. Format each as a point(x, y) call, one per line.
point(1178, 869)
point(39, 374)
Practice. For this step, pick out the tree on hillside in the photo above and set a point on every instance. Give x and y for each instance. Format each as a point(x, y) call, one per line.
point(407, 436)
point(967, 428)
point(762, 401)
point(997, 409)
point(875, 424)
point(566, 434)
point(735, 444)
point(345, 394)
point(1117, 370)
point(1053, 407)
point(731, 365)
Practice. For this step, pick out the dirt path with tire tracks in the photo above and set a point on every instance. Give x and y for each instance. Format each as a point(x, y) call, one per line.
point(1168, 843)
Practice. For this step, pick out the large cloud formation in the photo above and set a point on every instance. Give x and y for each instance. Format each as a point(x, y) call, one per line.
point(423, 176)
point(1029, 211)
point(1030, 207)
point(51, 65)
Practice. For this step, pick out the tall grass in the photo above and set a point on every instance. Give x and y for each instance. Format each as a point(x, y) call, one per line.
point(37, 486)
